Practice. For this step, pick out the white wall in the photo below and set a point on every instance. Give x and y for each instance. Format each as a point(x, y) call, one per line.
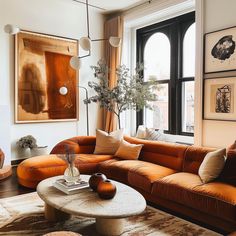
point(58, 17)
point(218, 14)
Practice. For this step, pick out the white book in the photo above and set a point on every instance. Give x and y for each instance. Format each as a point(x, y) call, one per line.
point(67, 185)
point(70, 190)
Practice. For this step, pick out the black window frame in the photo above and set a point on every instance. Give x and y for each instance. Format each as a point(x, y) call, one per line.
point(175, 30)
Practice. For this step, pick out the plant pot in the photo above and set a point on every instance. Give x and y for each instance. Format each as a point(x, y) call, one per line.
point(38, 151)
point(106, 189)
point(23, 153)
point(95, 179)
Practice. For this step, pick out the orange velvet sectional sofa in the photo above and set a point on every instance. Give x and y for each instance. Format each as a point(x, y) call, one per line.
point(165, 173)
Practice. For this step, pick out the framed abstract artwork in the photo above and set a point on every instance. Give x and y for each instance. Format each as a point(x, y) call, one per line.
point(220, 99)
point(42, 68)
point(220, 53)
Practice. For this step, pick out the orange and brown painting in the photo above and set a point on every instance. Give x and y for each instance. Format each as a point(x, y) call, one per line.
point(42, 68)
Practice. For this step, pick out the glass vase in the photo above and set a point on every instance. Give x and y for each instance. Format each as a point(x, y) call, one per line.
point(71, 174)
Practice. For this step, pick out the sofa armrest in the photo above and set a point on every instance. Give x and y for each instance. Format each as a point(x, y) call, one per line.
point(78, 144)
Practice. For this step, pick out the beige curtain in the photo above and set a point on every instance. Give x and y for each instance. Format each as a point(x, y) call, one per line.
point(113, 27)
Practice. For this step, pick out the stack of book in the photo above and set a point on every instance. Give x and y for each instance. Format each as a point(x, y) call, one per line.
point(70, 188)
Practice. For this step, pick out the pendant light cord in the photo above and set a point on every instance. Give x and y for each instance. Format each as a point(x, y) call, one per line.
point(87, 10)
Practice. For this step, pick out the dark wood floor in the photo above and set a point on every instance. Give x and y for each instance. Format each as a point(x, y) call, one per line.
point(10, 187)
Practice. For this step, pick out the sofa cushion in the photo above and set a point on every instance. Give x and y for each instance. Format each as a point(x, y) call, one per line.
point(216, 198)
point(212, 165)
point(128, 151)
point(165, 154)
point(108, 143)
point(144, 175)
point(118, 169)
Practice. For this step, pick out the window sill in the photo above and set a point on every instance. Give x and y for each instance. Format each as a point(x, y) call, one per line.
point(189, 140)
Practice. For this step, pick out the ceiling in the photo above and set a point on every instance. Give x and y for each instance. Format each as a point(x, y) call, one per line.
point(113, 5)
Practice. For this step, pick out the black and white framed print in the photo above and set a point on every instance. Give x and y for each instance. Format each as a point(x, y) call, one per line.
point(220, 53)
point(220, 99)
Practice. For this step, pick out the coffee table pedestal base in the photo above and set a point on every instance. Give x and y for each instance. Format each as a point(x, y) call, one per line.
point(52, 214)
point(110, 227)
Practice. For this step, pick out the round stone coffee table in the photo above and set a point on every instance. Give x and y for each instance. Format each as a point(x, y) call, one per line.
point(109, 214)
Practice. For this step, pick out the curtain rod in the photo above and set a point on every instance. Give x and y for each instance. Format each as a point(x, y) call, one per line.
point(100, 8)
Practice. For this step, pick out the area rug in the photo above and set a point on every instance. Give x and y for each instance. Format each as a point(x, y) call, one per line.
point(23, 215)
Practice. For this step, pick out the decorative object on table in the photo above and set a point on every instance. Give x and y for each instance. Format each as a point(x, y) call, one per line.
point(129, 93)
point(2, 158)
point(42, 67)
point(95, 179)
point(220, 99)
point(85, 43)
point(108, 143)
point(24, 145)
point(70, 188)
point(5, 171)
point(27, 146)
point(220, 54)
point(71, 174)
point(106, 189)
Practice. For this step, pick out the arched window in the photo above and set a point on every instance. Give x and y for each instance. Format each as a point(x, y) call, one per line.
point(167, 50)
point(189, 52)
point(157, 57)
point(157, 65)
point(188, 77)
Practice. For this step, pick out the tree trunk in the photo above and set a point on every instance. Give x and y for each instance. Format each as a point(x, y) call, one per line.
point(118, 116)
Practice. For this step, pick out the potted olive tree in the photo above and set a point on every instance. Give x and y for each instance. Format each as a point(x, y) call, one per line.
point(130, 91)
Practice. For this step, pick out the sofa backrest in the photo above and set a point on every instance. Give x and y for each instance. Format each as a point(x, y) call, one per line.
point(193, 158)
point(78, 144)
point(170, 155)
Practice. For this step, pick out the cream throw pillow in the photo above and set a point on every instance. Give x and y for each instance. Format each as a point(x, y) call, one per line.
point(128, 151)
point(108, 143)
point(212, 165)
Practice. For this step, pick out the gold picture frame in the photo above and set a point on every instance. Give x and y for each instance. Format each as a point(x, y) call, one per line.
point(41, 69)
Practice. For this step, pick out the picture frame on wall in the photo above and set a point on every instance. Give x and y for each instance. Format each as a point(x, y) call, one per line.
point(219, 50)
point(220, 99)
point(42, 67)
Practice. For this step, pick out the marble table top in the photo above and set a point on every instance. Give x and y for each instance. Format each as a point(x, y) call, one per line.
point(127, 201)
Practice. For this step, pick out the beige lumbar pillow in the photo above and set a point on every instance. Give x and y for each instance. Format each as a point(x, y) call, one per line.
point(128, 151)
point(212, 165)
point(108, 143)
